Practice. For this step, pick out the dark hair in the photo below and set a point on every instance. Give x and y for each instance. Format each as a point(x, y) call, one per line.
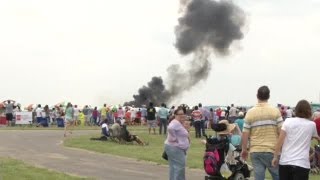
point(151, 104)
point(69, 104)
point(211, 109)
point(163, 105)
point(263, 93)
point(196, 108)
point(218, 127)
point(200, 105)
point(303, 109)
point(177, 110)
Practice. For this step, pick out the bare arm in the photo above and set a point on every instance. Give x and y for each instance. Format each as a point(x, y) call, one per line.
point(278, 147)
point(244, 153)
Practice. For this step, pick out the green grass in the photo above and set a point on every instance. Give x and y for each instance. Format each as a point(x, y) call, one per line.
point(152, 152)
point(27, 127)
point(11, 169)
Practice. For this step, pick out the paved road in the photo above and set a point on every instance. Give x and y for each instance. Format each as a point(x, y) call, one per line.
point(44, 148)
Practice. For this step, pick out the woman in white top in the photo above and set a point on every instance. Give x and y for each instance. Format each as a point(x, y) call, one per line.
point(295, 140)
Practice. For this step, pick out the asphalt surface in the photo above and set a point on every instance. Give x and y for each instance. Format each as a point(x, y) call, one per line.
point(44, 148)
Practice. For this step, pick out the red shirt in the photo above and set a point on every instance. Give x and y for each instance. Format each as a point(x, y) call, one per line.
point(219, 113)
point(317, 121)
point(128, 114)
point(138, 115)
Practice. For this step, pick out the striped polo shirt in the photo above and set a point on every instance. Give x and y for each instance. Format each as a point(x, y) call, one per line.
point(263, 122)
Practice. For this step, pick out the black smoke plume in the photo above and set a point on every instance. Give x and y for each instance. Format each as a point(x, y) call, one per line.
point(206, 27)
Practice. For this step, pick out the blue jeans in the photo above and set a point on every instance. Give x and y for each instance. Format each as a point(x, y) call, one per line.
point(197, 126)
point(262, 161)
point(202, 127)
point(177, 162)
point(164, 124)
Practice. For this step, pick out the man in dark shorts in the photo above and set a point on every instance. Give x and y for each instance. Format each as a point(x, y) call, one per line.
point(9, 111)
point(151, 118)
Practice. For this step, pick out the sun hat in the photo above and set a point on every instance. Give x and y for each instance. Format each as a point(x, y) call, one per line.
point(230, 127)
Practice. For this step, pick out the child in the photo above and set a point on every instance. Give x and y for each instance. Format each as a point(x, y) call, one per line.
point(81, 118)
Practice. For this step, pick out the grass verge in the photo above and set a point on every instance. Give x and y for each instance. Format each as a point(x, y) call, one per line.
point(11, 169)
point(152, 152)
point(27, 127)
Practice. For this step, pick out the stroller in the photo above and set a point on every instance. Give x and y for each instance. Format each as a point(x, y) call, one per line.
point(215, 157)
point(315, 159)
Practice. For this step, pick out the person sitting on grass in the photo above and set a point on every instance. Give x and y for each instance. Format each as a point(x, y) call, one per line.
point(104, 132)
point(120, 133)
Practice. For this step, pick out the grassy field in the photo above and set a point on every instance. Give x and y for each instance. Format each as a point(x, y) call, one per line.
point(28, 127)
point(152, 152)
point(17, 170)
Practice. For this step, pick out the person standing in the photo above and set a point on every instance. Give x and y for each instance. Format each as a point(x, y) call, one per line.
point(46, 116)
point(163, 116)
point(240, 121)
point(86, 112)
point(76, 115)
point(103, 113)
point(120, 114)
point(203, 119)
point(143, 115)
point(232, 114)
point(294, 144)
point(262, 125)
point(9, 105)
point(197, 116)
point(94, 116)
point(39, 114)
point(219, 112)
point(68, 120)
point(289, 112)
point(177, 145)
point(151, 118)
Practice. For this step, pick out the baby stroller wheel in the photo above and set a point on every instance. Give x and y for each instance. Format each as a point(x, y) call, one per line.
point(238, 176)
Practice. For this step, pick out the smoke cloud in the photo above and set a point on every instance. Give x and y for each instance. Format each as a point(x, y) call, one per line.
point(206, 27)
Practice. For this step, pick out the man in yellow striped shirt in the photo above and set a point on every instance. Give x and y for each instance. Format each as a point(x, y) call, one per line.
point(262, 125)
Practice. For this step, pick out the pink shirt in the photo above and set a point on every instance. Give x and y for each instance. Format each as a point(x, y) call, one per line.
point(196, 115)
point(177, 135)
point(120, 113)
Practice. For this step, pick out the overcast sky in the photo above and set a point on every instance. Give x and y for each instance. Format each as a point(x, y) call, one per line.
point(96, 51)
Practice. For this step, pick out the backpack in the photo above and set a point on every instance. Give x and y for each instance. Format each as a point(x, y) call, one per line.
point(211, 160)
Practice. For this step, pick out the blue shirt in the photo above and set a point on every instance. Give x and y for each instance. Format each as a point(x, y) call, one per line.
point(163, 113)
point(240, 123)
point(143, 112)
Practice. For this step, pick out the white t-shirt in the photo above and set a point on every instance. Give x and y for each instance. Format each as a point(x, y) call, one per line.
point(133, 113)
point(233, 112)
point(296, 146)
point(289, 113)
point(75, 112)
point(105, 125)
point(39, 112)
